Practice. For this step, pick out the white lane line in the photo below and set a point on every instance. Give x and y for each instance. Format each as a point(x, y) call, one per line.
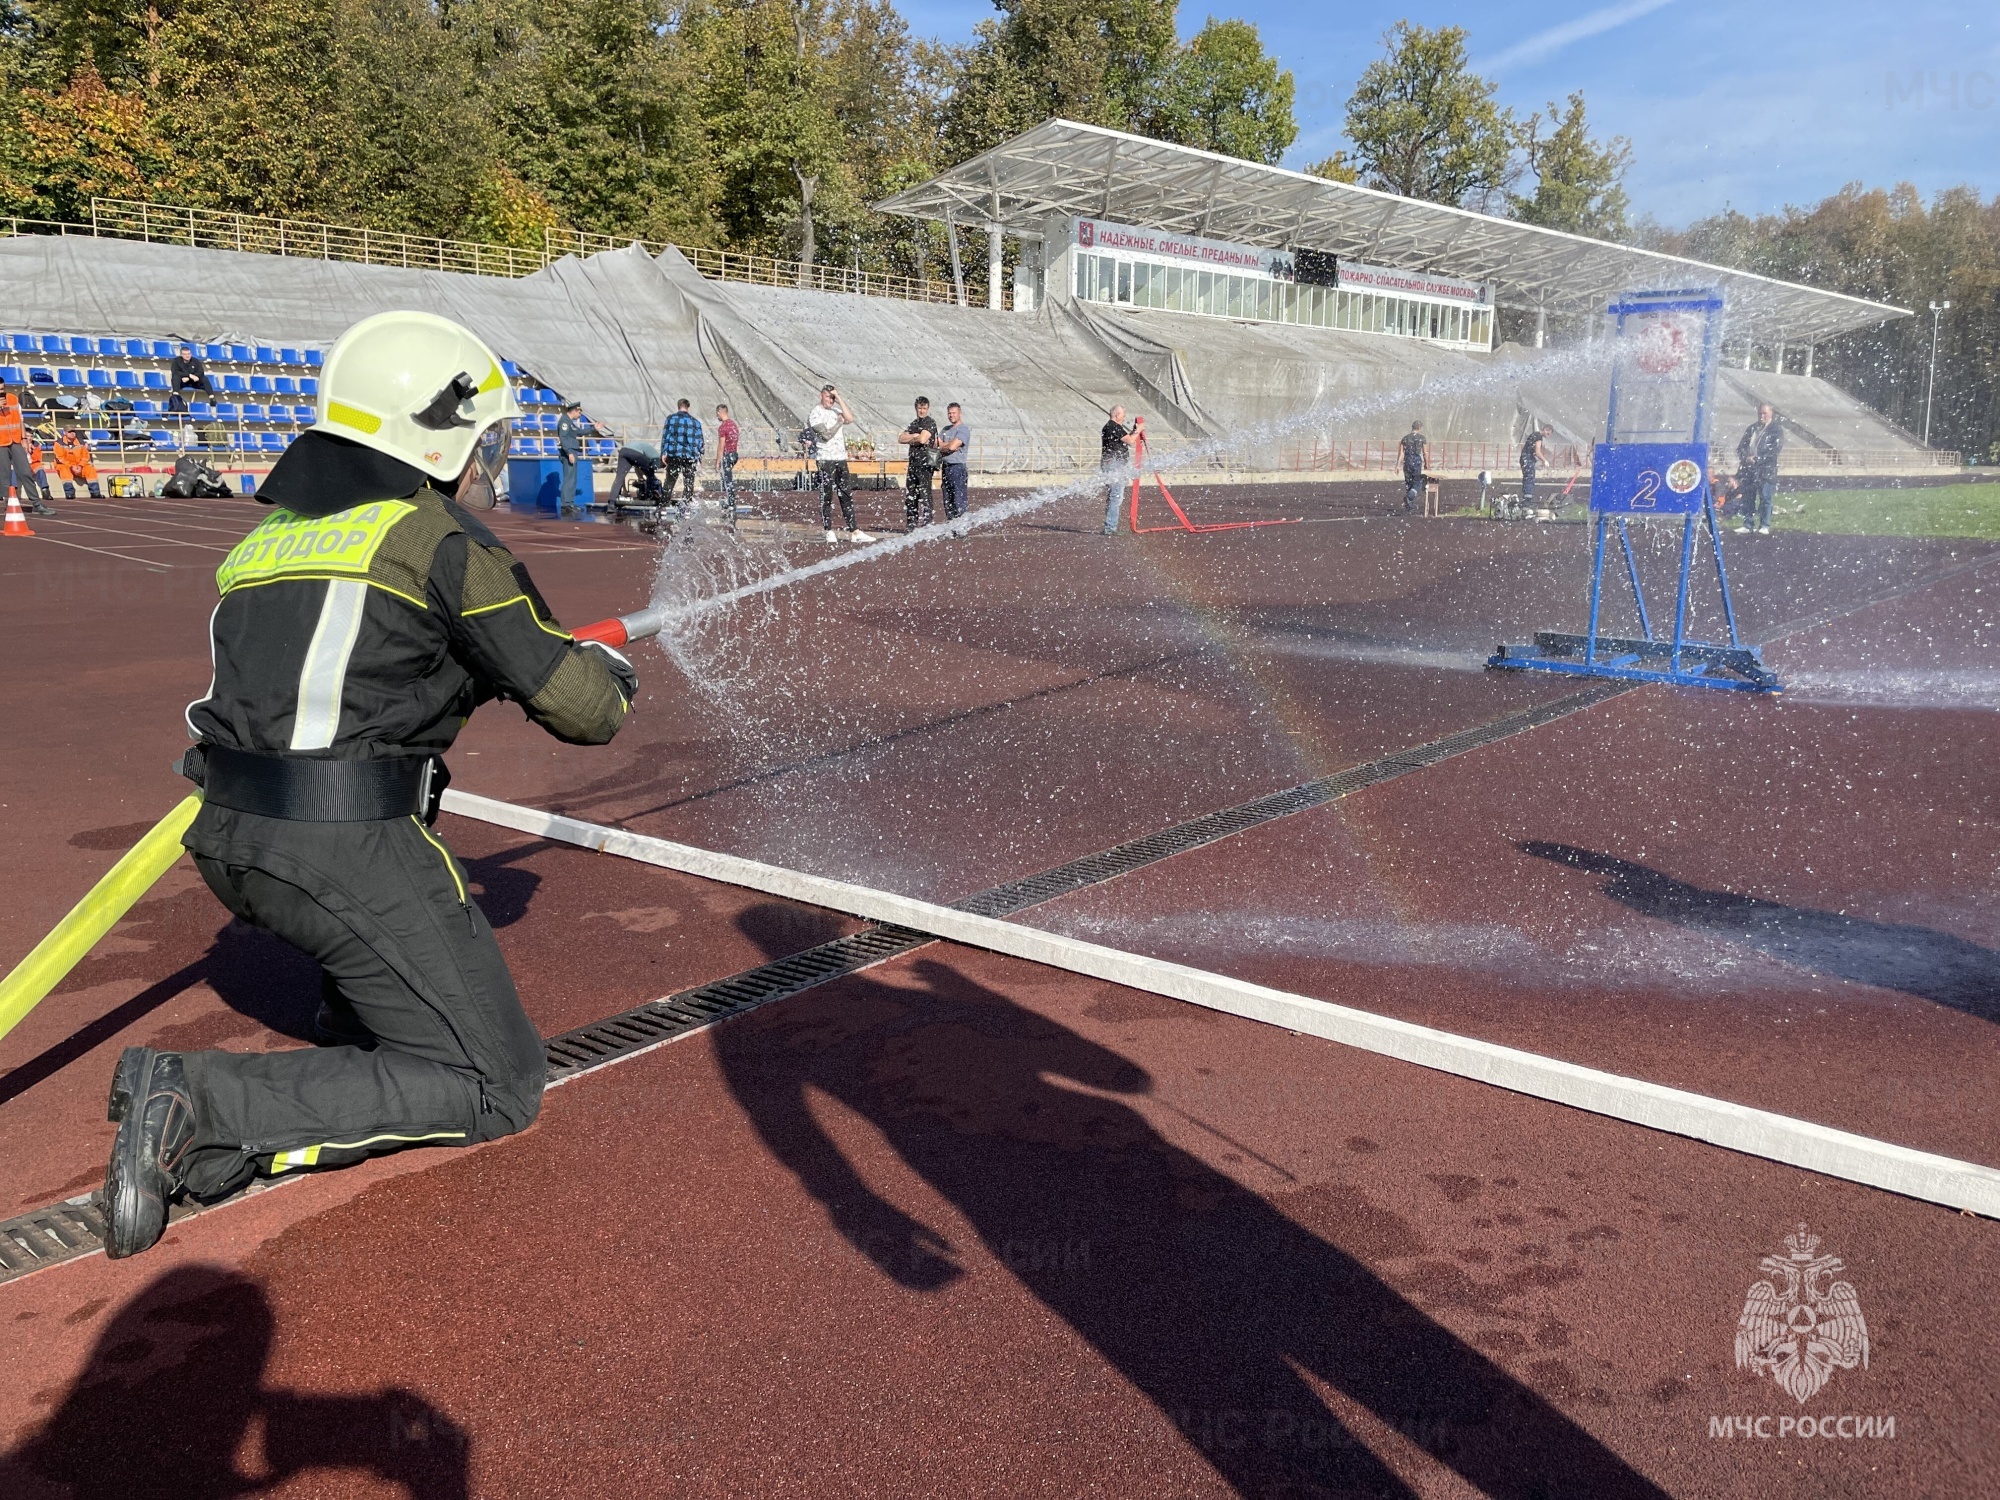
point(1736, 1127)
point(106, 552)
point(136, 536)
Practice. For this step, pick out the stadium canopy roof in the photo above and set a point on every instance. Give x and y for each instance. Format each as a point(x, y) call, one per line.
point(1063, 169)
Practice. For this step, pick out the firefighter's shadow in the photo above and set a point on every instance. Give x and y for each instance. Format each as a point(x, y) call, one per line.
point(1223, 1311)
point(1920, 961)
point(174, 1393)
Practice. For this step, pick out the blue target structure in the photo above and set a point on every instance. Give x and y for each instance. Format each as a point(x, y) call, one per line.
point(1653, 463)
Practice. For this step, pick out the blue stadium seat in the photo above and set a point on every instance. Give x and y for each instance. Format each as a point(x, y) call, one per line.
point(83, 348)
point(548, 397)
point(13, 374)
point(215, 354)
point(260, 385)
point(21, 343)
point(138, 349)
point(511, 370)
point(52, 344)
point(243, 442)
point(280, 415)
point(313, 359)
point(100, 378)
point(162, 438)
point(272, 442)
point(111, 348)
point(154, 380)
point(253, 411)
point(225, 411)
point(523, 448)
point(101, 438)
point(41, 375)
point(202, 410)
point(291, 357)
point(264, 354)
point(239, 354)
point(309, 384)
point(304, 414)
point(163, 350)
point(286, 386)
point(128, 380)
point(69, 378)
point(235, 385)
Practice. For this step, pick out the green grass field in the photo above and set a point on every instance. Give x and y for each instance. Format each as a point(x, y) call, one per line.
point(1971, 510)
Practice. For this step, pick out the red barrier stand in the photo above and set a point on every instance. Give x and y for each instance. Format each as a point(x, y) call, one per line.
point(1181, 521)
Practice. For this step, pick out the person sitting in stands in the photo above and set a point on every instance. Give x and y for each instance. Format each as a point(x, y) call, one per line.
point(37, 461)
point(187, 373)
point(73, 465)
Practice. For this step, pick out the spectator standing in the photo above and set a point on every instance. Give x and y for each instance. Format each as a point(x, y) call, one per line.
point(571, 427)
point(922, 437)
point(828, 424)
point(955, 445)
point(728, 440)
point(19, 469)
point(1534, 453)
point(1757, 468)
point(187, 374)
point(1117, 445)
point(1416, 452)
point(36, 461)
point(681, 445)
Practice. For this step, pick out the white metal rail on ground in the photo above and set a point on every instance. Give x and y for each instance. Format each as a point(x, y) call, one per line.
point(1736, 1127)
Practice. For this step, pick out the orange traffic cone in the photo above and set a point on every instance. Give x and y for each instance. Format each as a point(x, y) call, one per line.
point(17, 519)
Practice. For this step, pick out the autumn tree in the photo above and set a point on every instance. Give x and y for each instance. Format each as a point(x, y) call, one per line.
point(1425, 125)
point(1223, 92)
point(1579, 182)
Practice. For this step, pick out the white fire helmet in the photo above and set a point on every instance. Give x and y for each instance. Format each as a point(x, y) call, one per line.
point(418, 388)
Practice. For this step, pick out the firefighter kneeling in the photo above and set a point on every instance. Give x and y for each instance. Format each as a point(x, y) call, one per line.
point(360, 624)
point(73, 465)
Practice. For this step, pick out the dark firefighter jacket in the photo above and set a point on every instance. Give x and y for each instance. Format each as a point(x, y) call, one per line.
point(376, 630)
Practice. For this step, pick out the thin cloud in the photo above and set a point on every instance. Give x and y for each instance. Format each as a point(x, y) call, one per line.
point(1547, 43)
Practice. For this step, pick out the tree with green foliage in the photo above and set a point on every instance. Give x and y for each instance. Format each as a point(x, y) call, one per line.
point(1223, 92)
point(1095, 61)
point(1579, 182)
point(1425, 125)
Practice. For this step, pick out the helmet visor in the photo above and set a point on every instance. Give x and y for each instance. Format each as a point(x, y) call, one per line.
point(483, 482)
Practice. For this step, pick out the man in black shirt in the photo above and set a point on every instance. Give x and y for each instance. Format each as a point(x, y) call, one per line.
point(187, 373)
point(921, 436)
point(1534, 453)
point(1757, 468)
point(1118, 444)
point(1416, 448)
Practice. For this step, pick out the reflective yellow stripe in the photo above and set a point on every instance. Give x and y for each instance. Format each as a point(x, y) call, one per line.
point(315, 577)
point(449, 863)
point(487, 609)
point(308, 1156)
point(353, 416)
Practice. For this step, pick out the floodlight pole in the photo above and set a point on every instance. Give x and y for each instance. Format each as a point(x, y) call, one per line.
point(1930, 389)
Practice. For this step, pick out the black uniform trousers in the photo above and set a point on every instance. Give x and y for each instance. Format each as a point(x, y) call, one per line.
point(408, 959)
point(918, 509)
point(835, 480)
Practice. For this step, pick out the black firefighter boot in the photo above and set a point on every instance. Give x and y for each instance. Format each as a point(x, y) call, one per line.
point(155, 1115)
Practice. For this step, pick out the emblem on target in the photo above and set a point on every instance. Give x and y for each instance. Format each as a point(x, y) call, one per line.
point(1683, 475)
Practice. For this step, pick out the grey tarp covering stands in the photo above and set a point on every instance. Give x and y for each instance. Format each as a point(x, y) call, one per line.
point(629, 334)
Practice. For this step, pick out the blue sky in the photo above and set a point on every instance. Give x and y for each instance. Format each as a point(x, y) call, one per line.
point(1750, 106)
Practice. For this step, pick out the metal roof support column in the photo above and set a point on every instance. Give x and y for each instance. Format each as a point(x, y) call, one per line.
point(957, 271)
point(1780, 365)
point(1809, 355)
point(994, 300)
point(1542, 326)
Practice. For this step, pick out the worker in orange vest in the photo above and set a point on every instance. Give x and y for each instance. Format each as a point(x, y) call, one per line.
point(36, 460)
point(73, 463)
point(16, 472)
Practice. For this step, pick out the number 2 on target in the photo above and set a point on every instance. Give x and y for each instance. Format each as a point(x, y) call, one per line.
point(1649, 488)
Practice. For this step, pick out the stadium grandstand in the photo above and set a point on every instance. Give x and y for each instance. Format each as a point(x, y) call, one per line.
point(1226, 297)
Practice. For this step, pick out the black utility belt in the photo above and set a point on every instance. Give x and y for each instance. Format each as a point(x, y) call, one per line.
point(306, 790)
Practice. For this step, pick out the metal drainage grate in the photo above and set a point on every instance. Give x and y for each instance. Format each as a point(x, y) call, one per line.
point(49, 1236)
point(592, 1046)
point(1121, 859)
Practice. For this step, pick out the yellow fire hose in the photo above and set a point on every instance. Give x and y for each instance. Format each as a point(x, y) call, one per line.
point(93, 916)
